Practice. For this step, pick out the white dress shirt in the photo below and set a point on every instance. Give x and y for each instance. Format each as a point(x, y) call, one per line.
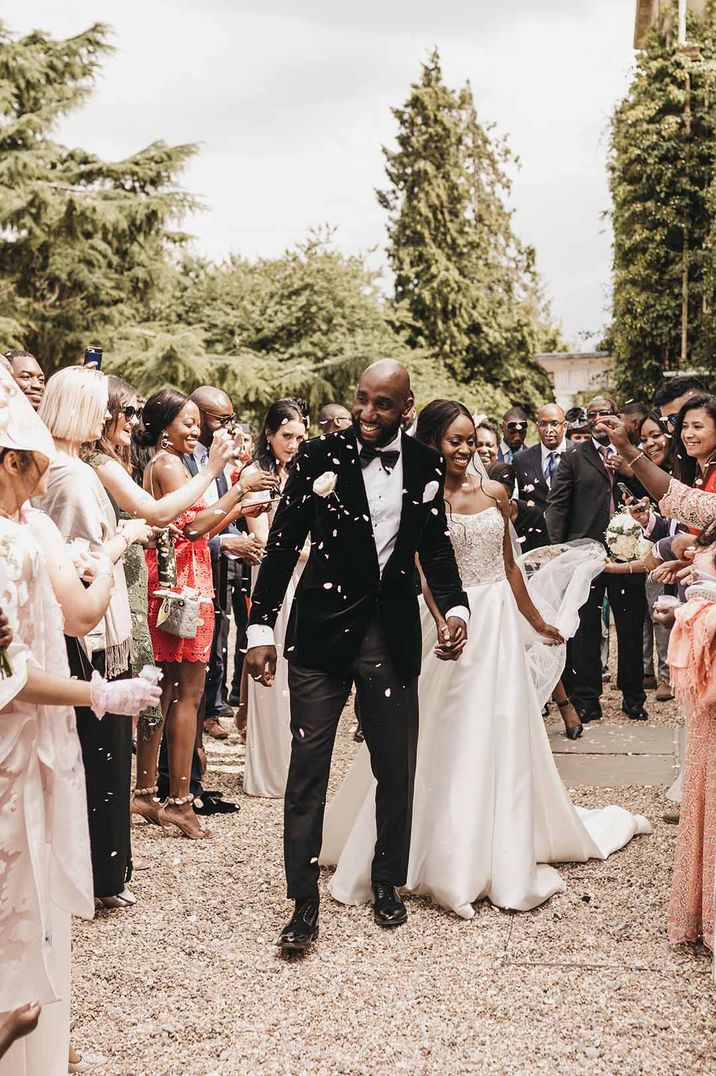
point(546, 453)
point(384, 492)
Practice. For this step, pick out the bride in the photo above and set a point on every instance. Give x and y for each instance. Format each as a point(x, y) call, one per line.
point(490, 811)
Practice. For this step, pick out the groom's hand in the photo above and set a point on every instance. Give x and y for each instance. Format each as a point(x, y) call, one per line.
point(452, 639)
point(261, 664)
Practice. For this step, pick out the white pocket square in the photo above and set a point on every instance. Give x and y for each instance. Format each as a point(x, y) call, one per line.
point(430, 491)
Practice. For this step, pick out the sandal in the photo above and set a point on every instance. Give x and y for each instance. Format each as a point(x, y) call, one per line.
point(125, 899)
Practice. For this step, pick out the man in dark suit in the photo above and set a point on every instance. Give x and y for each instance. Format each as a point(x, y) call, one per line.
point(217, 412)
point(370, 497)
point(583, 498)
point(537, 466)
point(514, 432)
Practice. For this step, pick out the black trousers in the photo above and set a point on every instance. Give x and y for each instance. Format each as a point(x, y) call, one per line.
point(583, 672)
point(240, 587)
point(389, 716)
point(107, 756)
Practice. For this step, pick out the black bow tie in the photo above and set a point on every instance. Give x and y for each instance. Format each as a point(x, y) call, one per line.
point(388, 458)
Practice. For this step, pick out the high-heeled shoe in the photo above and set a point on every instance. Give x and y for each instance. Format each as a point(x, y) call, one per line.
point(146, 809)
point(576, 731)
point(166, 819)
point(125, 899)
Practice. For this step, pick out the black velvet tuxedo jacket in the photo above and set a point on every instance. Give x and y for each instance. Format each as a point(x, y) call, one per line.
point(530, 476)
point(578, 504)
point(341, 588)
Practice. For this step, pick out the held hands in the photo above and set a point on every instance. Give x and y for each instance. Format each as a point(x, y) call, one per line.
point(221, 452)
point(452, 638)
point(261, 664)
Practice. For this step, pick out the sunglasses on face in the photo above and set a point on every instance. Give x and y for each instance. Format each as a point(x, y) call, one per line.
point(513, 427)
point(604, 413)
point(130, 412)
point(223, 420)
point(670, 420)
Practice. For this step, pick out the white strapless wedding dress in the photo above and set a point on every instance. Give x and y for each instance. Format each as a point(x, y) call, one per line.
point(490, 810)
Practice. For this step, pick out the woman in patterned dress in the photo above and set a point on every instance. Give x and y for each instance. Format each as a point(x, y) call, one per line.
point(171, 426)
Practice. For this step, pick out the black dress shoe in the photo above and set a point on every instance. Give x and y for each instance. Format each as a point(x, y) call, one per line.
point(586, 714)
point(636, 712)
point(302, 929)
point(214, 803)
point(388, 908)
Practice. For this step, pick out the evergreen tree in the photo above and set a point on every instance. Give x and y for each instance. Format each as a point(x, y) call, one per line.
point(465, 286)
point(663, 152)
point(83, 242)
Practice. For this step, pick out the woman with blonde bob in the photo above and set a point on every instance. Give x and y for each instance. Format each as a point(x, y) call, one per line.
point(74, 409)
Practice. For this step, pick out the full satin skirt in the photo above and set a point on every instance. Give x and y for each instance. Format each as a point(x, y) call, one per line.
point(490, 810)
point(268, 721)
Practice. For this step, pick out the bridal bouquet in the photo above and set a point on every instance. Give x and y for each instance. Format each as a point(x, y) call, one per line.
point(625, 538)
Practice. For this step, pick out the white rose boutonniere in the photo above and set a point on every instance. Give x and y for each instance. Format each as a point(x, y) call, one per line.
point(325, 484)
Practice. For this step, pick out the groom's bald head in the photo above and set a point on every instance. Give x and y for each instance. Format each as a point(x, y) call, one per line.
point(383, 398)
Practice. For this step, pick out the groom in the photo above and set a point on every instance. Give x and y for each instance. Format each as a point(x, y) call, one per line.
point(370, 497)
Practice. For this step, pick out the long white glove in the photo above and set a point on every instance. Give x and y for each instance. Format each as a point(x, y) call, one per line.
point(124, 696)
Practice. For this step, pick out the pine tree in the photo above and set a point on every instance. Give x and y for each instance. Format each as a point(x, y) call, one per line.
point(84, 243)
point(662, 158)
point(464, 286)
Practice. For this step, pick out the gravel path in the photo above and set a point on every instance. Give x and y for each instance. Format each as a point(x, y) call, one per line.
point(189, 983)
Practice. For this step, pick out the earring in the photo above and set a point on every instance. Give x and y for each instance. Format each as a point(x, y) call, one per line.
point(165, 440)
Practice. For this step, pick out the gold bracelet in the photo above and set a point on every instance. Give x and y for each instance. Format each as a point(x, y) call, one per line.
point(632, 462)
point(631, 570)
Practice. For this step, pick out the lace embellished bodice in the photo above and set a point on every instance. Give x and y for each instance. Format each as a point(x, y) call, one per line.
point(477, 541)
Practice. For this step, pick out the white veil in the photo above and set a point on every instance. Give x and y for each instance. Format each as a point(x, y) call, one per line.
point(558, 579)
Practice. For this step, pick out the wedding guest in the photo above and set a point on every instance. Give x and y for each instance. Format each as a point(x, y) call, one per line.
point(693, 671)
point(110, 457)
point(526, 518)
point(333, 417)
point(695, 443)
point(583, 498)
point(74, 409)
point(632, 415)
point(514, 432)
point(47, 874)
point(486, 444)
point(656, 444)
point(217, 414)
point(536, 467)
point(671, 395)
point(268, 731)
point(170, 431)
point(577, 425)
point(28, 374)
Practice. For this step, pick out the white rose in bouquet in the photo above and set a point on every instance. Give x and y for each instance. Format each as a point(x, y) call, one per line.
point(625, 538)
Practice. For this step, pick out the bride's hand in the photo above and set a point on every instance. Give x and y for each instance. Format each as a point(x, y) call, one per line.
point(444, 650)
point(550, 634)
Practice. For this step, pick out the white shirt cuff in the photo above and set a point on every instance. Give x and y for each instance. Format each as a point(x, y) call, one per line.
point(461, 611)
point(259, 635)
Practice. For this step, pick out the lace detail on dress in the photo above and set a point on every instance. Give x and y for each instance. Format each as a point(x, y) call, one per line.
point(477, 541)
point(694, 507)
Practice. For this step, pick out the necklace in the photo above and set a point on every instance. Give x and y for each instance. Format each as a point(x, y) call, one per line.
point(8, 515)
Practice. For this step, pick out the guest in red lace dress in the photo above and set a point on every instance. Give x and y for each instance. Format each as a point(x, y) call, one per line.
point(171, 428)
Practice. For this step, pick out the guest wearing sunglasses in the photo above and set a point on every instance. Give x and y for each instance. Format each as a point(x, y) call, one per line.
point(583, 498)
point(514, 432)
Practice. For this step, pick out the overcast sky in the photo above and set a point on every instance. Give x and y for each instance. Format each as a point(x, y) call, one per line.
point(291, 99)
